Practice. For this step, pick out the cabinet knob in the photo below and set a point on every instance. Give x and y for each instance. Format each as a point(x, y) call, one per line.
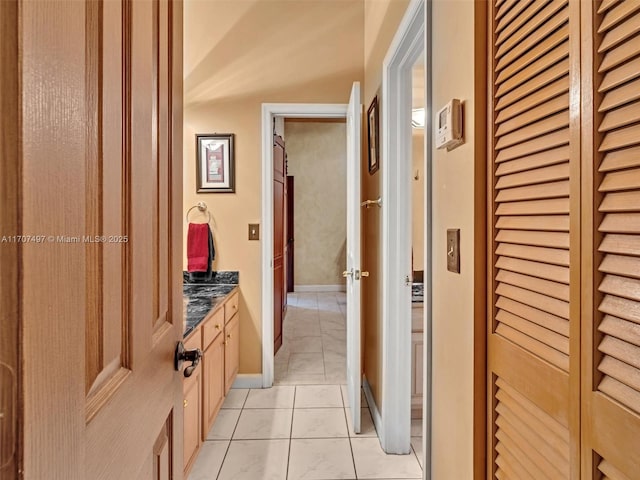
point(229, 336)
point(185, 403)
point(217, 326)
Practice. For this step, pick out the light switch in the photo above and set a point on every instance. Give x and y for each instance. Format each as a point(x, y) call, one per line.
point(453, 250)
point(254, 231)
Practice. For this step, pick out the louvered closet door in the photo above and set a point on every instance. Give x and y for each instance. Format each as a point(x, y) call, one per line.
point(533, 323)
point(611, 390)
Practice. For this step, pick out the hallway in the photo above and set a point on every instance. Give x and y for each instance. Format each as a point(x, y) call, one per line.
point(299, 429)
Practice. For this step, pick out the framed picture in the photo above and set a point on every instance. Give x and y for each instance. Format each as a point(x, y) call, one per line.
point(373, 130)
point(215, 163)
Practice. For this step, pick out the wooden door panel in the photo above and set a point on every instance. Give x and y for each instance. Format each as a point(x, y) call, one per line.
point(278, 219)
point(231, 352)
point(104, 296)
point(611, 298)
point(533, 329)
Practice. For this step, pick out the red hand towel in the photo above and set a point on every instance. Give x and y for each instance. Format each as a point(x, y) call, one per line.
point(197, 247)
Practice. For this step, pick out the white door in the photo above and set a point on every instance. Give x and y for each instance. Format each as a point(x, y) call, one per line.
point(352, 273)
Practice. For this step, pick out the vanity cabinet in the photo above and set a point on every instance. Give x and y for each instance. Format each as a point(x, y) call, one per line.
point(218, 336)
point(213, 375)
point(231, 352)
point(192, 407)
point(417, 356)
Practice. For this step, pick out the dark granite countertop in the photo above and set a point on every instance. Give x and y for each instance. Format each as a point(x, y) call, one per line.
point(417, 292)
point(200, 299)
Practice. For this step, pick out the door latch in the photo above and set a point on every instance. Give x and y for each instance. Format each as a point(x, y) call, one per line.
point(183, 355)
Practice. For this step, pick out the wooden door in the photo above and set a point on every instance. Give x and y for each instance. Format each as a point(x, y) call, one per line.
point(290, 233)
point(279, 185)
point(101, 295)
point(10, 414)
point(534, 253)
point(611, 241)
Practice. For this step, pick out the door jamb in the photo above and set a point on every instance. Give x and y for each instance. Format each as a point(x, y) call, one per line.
point(269, 112)
point(407, 45)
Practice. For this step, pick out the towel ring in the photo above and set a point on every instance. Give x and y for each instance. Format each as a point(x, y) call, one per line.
point(200, 206)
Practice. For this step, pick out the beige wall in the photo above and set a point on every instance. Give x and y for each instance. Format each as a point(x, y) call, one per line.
point(317, 156)
point(239, 54)
point(382, 18)
point(455, 185)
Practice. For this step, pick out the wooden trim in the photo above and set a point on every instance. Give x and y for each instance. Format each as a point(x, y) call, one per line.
point(575, 156)
point(10, 224)
point(481, 8)
point(490, 286)
point(269, 111)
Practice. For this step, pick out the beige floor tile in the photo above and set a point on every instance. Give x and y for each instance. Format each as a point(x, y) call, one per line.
point(320, 459)
point(371, 461)
point(310, 363)
point(367, 427)
point(209, 460)
point(289, 378)
point(256, 460)
point(318, 396)
point(224, 425)
point(274, 397)
point(319, 423)
point(235, 398)
point(416, 427)
point(416, 443)
point(263, 424)
point(306, 344)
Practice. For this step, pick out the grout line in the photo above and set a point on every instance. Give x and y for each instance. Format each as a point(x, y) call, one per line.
point(293, 409)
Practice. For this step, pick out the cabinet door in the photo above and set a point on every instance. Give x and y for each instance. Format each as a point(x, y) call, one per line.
point(231, 351)
point(416, 363)
point(191, 404)
point(213, 383)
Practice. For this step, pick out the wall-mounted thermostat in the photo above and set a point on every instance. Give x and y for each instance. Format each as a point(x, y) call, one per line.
point(449, 125)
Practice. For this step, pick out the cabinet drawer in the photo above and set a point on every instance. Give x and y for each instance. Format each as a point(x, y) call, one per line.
point(212, 328)
point(193, 341)
point(231, 307)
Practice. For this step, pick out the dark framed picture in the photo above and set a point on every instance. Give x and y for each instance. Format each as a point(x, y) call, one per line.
point(373, 134)
point(215, 163)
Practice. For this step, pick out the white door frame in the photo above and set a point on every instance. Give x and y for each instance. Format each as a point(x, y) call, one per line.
point(407, 45)
point(269, 112)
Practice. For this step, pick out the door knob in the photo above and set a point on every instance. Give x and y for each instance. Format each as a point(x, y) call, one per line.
point(347, 273)
point(182, 355)
point(364, 274)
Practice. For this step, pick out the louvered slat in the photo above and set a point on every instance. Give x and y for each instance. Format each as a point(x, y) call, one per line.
point(620, 75)
point(549, 223)
point(618, 14)
point(626, 93)
point(621, 265)
point(621, 244)
point(610, 472)
point(616, 327)
point(534, 176)
point(629, 157)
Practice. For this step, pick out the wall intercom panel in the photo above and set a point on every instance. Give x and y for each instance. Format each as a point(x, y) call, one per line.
point(449, 125)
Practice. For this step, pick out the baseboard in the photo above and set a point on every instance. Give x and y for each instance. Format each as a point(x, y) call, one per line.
point(319, 288)
point(248, 380)
point(373, 408)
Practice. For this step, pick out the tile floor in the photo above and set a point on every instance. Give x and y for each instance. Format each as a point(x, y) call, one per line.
point(300, 428)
